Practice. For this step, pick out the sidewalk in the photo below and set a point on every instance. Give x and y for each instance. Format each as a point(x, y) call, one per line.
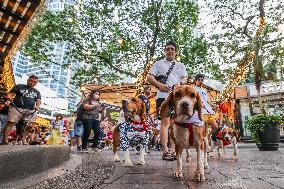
point(253, 170)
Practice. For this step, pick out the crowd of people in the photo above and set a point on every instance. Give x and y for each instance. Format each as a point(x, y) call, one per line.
point(17, 118)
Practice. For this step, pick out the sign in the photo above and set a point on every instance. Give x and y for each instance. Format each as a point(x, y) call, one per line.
point(274, 87)
point(267, 88)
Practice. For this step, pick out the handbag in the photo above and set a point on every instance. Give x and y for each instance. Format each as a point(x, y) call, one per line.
point(163, 78)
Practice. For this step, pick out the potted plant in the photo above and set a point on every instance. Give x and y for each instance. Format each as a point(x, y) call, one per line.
point(265, 131)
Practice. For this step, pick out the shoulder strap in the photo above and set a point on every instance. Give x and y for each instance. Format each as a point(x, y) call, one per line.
point(170, 70)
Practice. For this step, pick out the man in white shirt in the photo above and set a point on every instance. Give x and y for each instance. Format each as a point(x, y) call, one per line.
point(176, 75)
point(207, 110)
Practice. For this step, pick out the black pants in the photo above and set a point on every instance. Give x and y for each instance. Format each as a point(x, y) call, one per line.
point(95, 126)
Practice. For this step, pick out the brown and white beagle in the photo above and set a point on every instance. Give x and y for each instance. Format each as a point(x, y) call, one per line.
point(222, 138)
point(188, 128)
point(134, 126)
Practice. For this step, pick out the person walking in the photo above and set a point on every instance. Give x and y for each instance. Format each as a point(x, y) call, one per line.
point(207, 105)
point(91, 120)
point(164, 75)
point(24, 106)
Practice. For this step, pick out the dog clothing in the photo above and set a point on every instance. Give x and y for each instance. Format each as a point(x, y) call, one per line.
point(133, 134)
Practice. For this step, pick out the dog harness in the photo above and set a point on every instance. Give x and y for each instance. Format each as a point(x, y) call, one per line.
point(220, 136)
point(133, 134)
point(193, 120)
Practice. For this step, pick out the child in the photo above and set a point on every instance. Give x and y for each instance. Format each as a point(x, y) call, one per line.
point(56, 131)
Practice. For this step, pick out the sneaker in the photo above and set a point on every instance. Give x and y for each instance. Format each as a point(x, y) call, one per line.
point(79, 148)
point(85, 150)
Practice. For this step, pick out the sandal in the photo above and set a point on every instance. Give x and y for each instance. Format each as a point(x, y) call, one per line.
point(167, 156)
point(174, 156)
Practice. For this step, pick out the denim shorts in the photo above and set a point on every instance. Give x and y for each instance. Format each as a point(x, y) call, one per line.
point(78, 128)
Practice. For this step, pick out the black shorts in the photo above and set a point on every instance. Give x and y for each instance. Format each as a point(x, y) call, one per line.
point(159, 103)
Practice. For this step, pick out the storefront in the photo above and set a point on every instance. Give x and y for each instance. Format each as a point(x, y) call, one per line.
point(247, 102)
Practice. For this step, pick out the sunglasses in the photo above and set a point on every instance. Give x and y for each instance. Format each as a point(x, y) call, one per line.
point(170, 49)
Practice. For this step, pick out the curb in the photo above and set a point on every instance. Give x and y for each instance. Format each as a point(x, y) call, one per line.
point(21, 161)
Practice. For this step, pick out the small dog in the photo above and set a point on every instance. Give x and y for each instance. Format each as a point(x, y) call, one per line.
point(223, 137)
point(133, 132)
point(188, 128)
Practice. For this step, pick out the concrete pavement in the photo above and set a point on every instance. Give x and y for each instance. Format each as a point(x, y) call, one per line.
point(254, 169)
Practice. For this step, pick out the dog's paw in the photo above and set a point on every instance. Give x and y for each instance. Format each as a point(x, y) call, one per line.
point(116, 159)
point(198, 177)
point(206, 166)
point(128, 164)
point(226, 157)
point(141, 162)
point(178, 174)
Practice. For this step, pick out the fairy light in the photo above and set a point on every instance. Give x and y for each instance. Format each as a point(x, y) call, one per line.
point(142, 77)
point(180, 30)
point(7, 80)
point(242, 68)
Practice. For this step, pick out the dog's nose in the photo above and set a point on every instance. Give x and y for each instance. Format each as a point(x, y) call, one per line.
point(184, 105)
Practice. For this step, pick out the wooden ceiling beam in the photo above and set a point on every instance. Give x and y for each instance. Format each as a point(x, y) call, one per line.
point(5, 44)
point(9, 31)
point(13, 14)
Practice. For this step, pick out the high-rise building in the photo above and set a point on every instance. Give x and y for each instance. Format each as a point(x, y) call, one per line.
point(53, 76)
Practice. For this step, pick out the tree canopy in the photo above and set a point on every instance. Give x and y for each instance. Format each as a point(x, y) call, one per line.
point(233, 26)
point(115, 39)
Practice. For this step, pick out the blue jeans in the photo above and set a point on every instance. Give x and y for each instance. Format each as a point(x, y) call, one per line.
point(3, 122)
point(88, 125)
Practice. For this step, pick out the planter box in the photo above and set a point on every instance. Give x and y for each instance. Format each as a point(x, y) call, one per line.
point(270, 139)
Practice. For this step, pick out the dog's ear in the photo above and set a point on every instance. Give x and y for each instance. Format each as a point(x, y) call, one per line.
point(167, 104)
point(198, 105)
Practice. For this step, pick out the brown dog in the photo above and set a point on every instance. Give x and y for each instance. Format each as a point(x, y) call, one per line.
point(225, 136)
point(188, 127)
point(134, 126)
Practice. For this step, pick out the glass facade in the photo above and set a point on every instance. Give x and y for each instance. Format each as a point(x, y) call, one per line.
point(53, 76)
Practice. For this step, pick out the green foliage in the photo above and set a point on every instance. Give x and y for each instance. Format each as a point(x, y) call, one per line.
point(93, 29)
point(233, 25)
point(256, 124)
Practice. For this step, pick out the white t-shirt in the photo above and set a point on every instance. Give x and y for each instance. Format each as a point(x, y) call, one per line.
point(161, 67)
point(206, 108)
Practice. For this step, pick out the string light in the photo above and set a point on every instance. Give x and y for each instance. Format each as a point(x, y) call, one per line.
point(242, 68)
point(7, 80)
point(180, 30)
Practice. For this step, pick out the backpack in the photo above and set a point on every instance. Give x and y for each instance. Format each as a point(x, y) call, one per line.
point(80, 112)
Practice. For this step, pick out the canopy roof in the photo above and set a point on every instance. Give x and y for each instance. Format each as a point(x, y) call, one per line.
point(115, 93)
point(14, 17)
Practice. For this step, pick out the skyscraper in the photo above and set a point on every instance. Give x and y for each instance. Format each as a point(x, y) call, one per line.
point(53, 76)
